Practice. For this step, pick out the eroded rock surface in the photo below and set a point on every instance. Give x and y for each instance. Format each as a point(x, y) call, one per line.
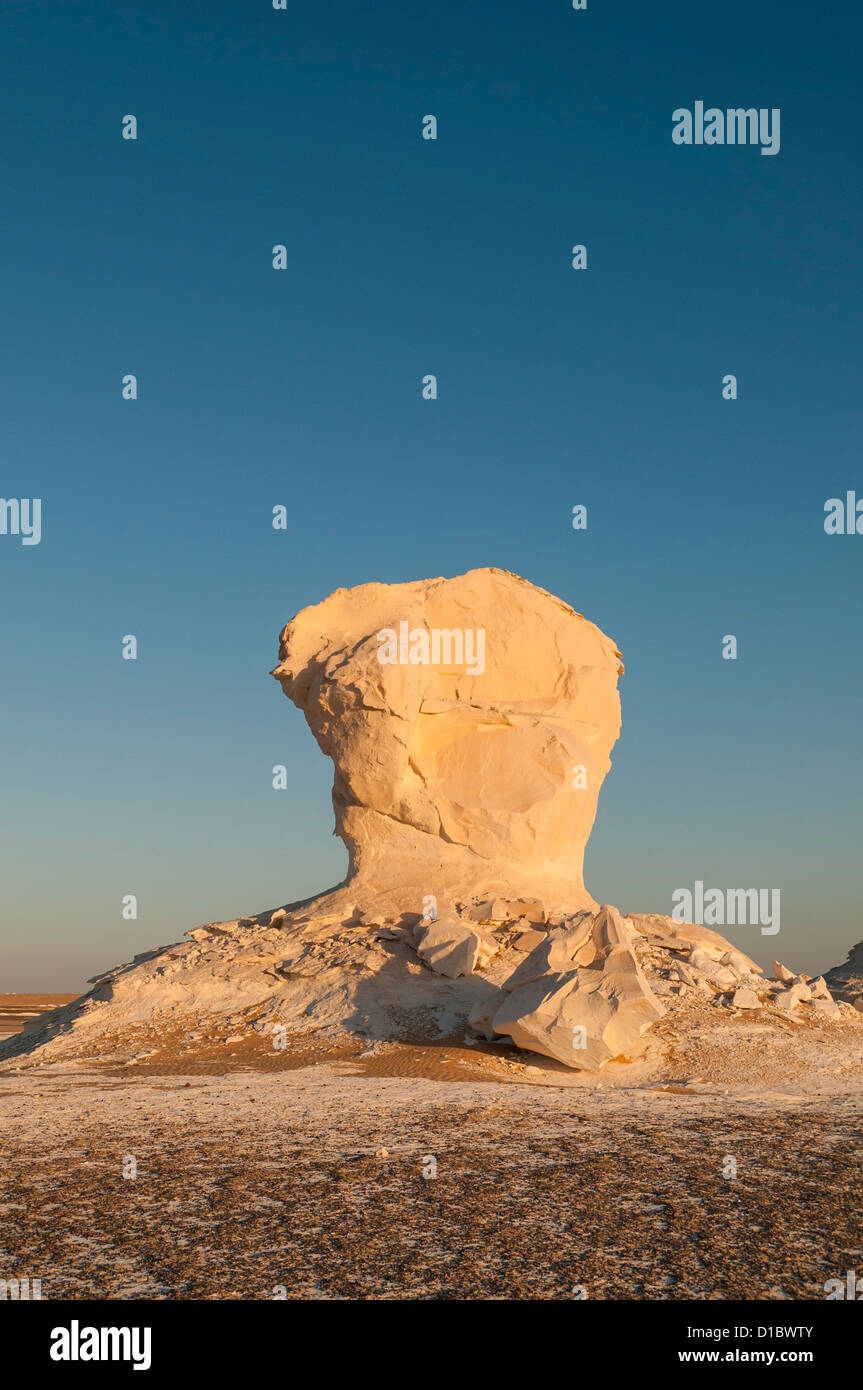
point(468, 761)
point(580, 996)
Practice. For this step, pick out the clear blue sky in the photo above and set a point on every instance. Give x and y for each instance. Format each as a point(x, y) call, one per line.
point(302, 387)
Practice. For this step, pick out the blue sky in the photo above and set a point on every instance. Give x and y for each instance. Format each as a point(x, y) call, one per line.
point(302, 387)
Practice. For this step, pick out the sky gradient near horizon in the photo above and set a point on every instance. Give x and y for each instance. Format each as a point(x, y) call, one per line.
point(303, 387)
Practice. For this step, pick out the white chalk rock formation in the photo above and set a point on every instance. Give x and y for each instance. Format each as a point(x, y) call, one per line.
point(470, 722)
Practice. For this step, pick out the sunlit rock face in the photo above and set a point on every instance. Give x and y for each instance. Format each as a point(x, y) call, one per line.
point(470, 723)
point(581, 996)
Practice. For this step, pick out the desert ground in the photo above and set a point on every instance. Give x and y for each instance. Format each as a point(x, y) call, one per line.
point(17, 1009)
point(222, 1168)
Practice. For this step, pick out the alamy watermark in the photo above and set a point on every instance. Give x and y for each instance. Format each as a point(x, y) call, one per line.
point(734, 126)
point(21, 516)
point(77, 1343)
point(844, 516)
point(20, 1290)
point(437, 646)
point(719, 907)
point(849, 1288)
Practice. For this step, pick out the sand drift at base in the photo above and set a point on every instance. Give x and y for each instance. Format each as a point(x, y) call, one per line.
point(470, 723)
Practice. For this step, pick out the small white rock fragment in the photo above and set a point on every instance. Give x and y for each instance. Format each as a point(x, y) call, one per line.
point(788, 999)
point(826, 1007)
point(745, 999)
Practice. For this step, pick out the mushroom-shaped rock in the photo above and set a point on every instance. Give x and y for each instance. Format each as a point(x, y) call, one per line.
point(470, 722)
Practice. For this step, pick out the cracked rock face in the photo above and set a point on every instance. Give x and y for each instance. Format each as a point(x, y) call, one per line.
point(580, 997)
point(470, 723)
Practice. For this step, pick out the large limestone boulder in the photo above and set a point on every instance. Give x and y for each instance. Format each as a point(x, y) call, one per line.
point(581, 996)
point(451, 948)
point(470, 723)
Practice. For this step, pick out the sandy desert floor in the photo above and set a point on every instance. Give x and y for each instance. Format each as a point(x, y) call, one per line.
point(17, 1009)
point(263, 1175)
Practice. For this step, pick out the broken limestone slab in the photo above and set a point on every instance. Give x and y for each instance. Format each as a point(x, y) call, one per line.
point(583, 1022)
point(527, 940)
point(720, 976)
point(848, 1011)
point(481, 911)
point(512, 909)
point(788, 999)
point(555, 953)
point(686, 935)
point(451, 948)
point(525, 924)
point(826, 1007)
point(584, 1016)
point(665, 943)
point(745, 999)
point(738, 962)
point(684, 973)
